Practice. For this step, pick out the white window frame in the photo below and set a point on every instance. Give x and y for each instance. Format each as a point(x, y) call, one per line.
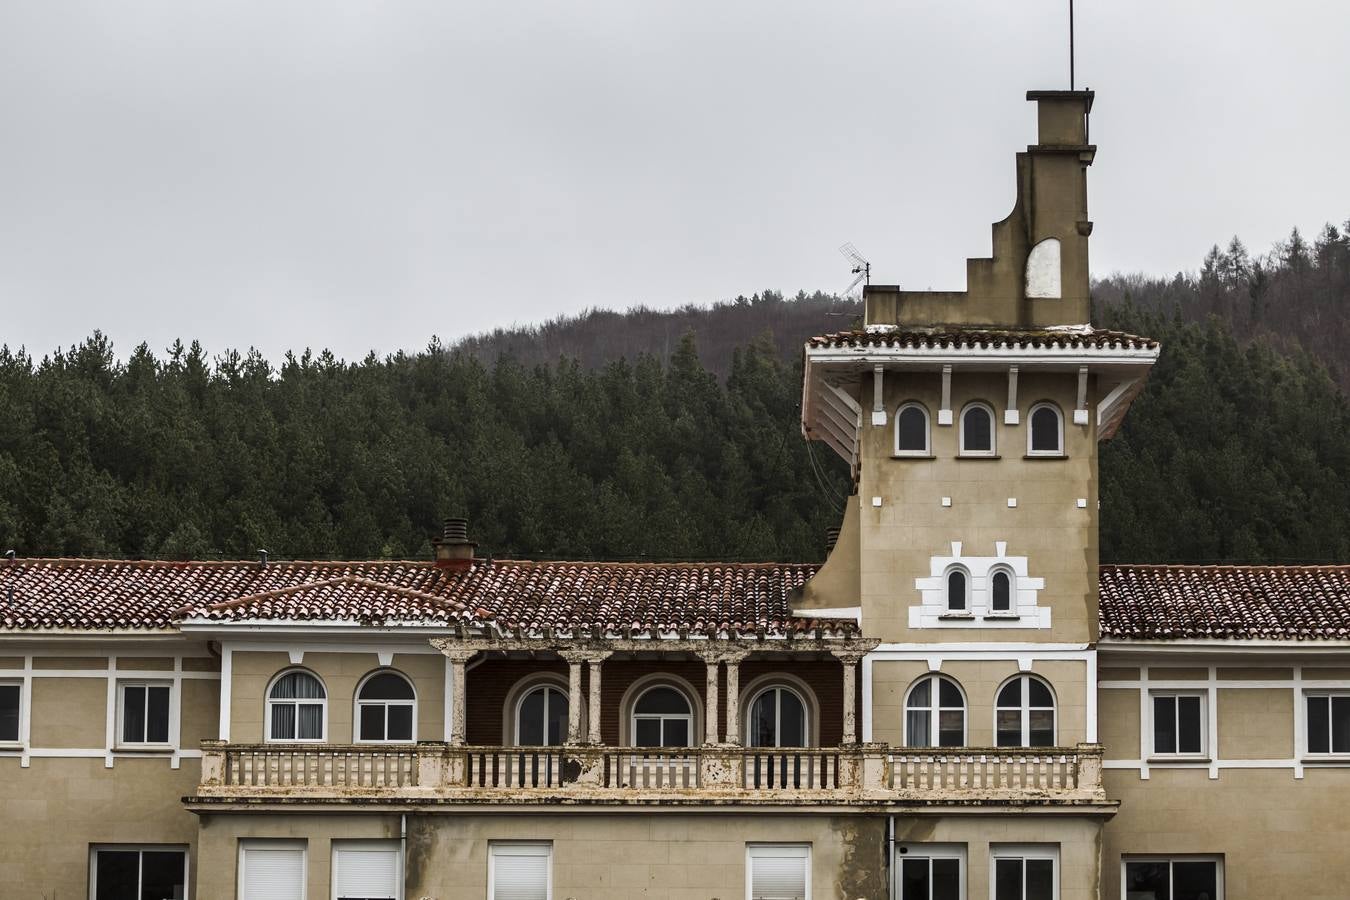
point(993, 431)
point(1025, 710)
point(929, 852)
point(1330, 753)
point(935, 709)
point(927, 450)
point(1203, 753)
point(339, 844)
point(542, 684)
point(267, 710)
point(18, 725)
point(1011, 611)
point(634, 716)
point(1023, 852)
point(1216, 858)
point(807, 717)
point(1059, 424)
point(791, 850)
point(492, 864)
point(119, 739)
point(273, 844)
point(359, 704)
point(95, 849)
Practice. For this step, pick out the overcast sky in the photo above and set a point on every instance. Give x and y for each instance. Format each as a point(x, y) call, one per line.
point(362, 175)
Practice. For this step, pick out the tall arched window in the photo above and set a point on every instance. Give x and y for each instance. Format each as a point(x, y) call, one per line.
point(958, 590)
point(386, 709)
point(541, 717)
point(1025, 716)
point(662, 717)
point(297, 708)
point(1045, 431)
point(1000, 591)
point(977, 430)
point(911, 430)
point(935, 713)
point(777, 718)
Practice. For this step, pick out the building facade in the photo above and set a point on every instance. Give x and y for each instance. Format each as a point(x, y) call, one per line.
point(960, 702)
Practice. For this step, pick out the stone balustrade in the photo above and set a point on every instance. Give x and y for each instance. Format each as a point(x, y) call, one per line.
point(439, 772)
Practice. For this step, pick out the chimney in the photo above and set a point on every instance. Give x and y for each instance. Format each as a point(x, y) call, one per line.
point(454, 550)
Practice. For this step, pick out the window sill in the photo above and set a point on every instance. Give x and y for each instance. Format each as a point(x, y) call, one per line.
point(978, 456)
point(11, 745)
point(912, 456)
point(1046, 456)
point(1005, 617)
point(1329, 759)
point(1165, 758)
point(147, 749)
point(957, 615)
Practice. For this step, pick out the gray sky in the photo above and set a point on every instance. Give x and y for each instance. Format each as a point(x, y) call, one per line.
point(363, 175)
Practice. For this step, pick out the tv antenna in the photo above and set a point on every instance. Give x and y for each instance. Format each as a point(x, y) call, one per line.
point(861, 268)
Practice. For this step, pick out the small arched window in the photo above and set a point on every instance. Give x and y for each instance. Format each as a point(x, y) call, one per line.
point(958, 584)
point(777, 719)
point(541, 717)
point(297, 708)
point(977, 430)
point(1000, 591)
point(911, 430)
point(1025, 716)
point(935, 713)
point(1045, 432)
point(662, 717)
point(386, 709)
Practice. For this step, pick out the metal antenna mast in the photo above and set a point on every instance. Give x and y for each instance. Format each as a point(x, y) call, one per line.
point(860, 267)
point(1071, 78)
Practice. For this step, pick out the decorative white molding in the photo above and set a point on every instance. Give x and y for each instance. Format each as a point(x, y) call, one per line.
point(945, 411)
point(878, 396)
point(1043, 271)
point(933, 612)
point(1010, 413)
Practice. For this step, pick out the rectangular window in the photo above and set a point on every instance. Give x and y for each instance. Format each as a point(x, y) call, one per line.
point(1328, 723)
point(1025, 871)
point(272, 870)
point(519, 870)
point(1178, 724)
point(778, 871)
point(367, 870)
point(930, 871)
point(10, 692)
point(1175, 878)
point(138, 873)
point(145, 712)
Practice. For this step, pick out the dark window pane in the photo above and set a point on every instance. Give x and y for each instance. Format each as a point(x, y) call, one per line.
point(1188, 725)
point(922, 694)
point(676, 733)
point(976, 430)
point(1045, 430)
point(1011, 695)
point(400, 722)
point(297, 686)
point(948, 693)
point(1164, 725)
point(946, 879)
point(1319, 725)
point(162, 875)
point(956, 590)
point(310, 727)
point(912, 428)
point(663, 700)
point(9, 712)
point(1195, 880)
point(372, 722)
point(531, 732)
point(1008, 879)
point(133, 714)
point(1038, 694)
point(283, 722)
point(792, 720)
point(1340, 724)
point(648, 733)
point(1010, 728)
point(386, 686)
point(762, 721)
point(951, 728)
point(557, 716)
point(1002, 592)
point(1042, 728)
point(157, 715)
point(1041, 879)
point(1147, 881)
point(117, 874)
point(918, 725)
point(915, 883)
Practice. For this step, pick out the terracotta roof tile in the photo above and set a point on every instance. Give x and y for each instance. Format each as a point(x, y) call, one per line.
point(961, 337)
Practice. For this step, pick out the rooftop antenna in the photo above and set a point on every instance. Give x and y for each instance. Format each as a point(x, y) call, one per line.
point(861, 269)
point(1071, 78)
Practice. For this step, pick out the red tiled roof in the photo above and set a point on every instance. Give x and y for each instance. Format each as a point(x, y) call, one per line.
point(1225, 602)
point(700, 597)
point(958, 337)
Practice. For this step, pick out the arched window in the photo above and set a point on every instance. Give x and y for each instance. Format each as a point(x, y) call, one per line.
point(1000, 591)
point(911, 430)
point(541, 717)
point(977, 430)
point(777, 718)
point(662, 717)
point(935, 713)
point(958, 587)
point(386, 709)
point(1025, 716)
point(297, 708)
point(1045, 434)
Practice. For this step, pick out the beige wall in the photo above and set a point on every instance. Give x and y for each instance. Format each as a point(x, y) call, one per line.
point(69, 712)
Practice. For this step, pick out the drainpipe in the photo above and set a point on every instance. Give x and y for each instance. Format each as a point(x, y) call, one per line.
point(889, 863)
point(403, 850)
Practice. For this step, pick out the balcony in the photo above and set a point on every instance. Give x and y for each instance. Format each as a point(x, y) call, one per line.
point(433, 774)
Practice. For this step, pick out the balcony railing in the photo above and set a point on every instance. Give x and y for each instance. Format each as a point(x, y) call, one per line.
point(436, 772)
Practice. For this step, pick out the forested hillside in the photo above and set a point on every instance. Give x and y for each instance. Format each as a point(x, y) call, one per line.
point(1238, 450)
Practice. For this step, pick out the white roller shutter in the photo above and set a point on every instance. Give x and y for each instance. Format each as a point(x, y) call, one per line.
point(778, 872)
point(271, 872)
point(520, 871)
point(366, 871)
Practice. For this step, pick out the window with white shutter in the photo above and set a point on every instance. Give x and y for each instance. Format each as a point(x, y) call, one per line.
point(271, 870)
point(778, 871)
point(520, 871)
point(367, 870)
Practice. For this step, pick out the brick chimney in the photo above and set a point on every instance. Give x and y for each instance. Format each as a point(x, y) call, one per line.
point(454, 550)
